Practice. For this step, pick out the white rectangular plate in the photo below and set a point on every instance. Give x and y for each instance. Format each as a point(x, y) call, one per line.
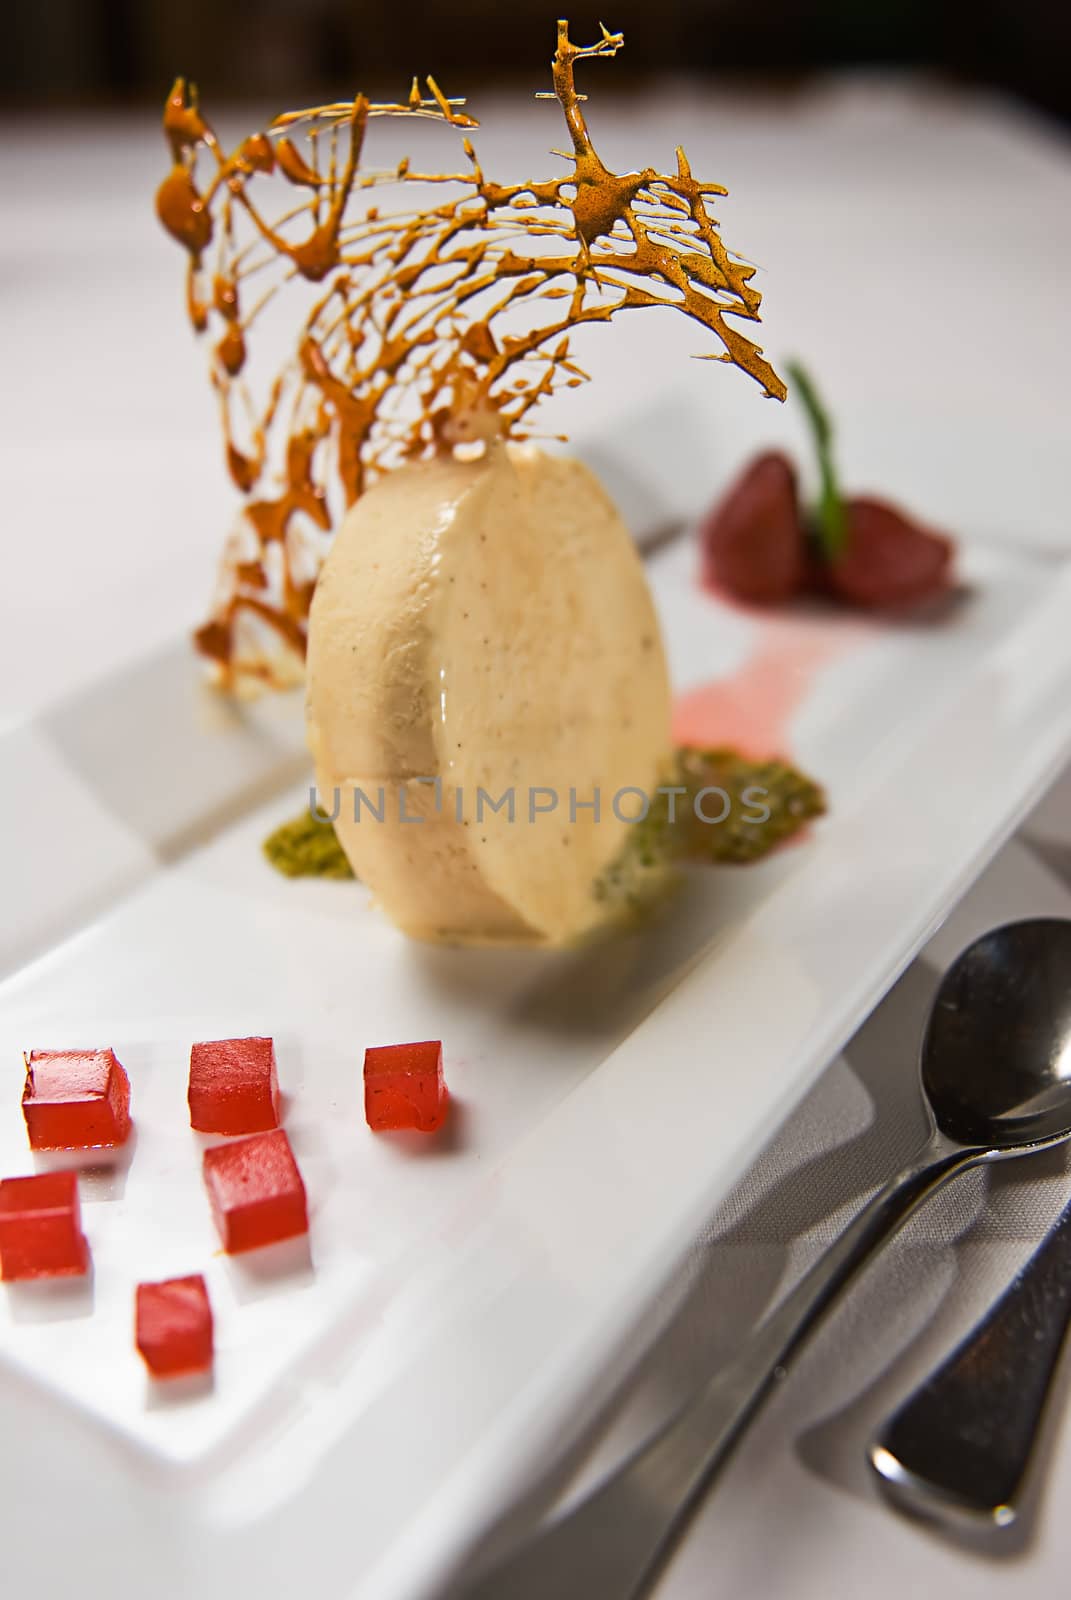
point(378, 1395)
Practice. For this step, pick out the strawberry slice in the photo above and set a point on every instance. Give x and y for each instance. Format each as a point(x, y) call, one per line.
point(753, 541)
point(888, 560)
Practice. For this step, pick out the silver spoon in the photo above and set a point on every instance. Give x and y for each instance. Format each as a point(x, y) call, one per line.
point(957, 1450)
point(996, 1074)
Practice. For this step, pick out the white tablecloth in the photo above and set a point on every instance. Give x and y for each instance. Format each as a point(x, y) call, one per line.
point(914, 246)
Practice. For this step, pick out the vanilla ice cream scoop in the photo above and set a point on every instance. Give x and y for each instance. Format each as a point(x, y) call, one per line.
point(488, 699)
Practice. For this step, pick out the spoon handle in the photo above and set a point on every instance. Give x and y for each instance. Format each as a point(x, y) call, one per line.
point(958, 1448)
point(611, 1542)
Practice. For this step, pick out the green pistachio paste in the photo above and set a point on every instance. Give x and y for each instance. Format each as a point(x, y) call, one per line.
point(716, 806)
point(307, 847)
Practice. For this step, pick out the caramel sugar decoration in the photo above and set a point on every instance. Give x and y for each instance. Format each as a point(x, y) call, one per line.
point(425, 329)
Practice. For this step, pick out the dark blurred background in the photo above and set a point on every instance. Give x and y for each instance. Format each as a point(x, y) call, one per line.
point(86, 52)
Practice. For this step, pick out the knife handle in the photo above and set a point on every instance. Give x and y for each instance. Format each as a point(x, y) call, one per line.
point(958, 1448)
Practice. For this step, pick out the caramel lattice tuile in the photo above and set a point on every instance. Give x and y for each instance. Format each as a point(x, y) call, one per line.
point(425, 330)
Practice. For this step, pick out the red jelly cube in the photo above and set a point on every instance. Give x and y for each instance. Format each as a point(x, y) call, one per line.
point(403, 1086)
point(255, 1191)
point(41, 1227)
point(75, 1100)
point(233, 1086)
point(173, 1326)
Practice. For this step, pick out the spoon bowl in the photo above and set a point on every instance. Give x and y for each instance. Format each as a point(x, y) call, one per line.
point(996, 1057)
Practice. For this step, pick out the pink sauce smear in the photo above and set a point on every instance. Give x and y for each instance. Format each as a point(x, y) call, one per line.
point(753, 708)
